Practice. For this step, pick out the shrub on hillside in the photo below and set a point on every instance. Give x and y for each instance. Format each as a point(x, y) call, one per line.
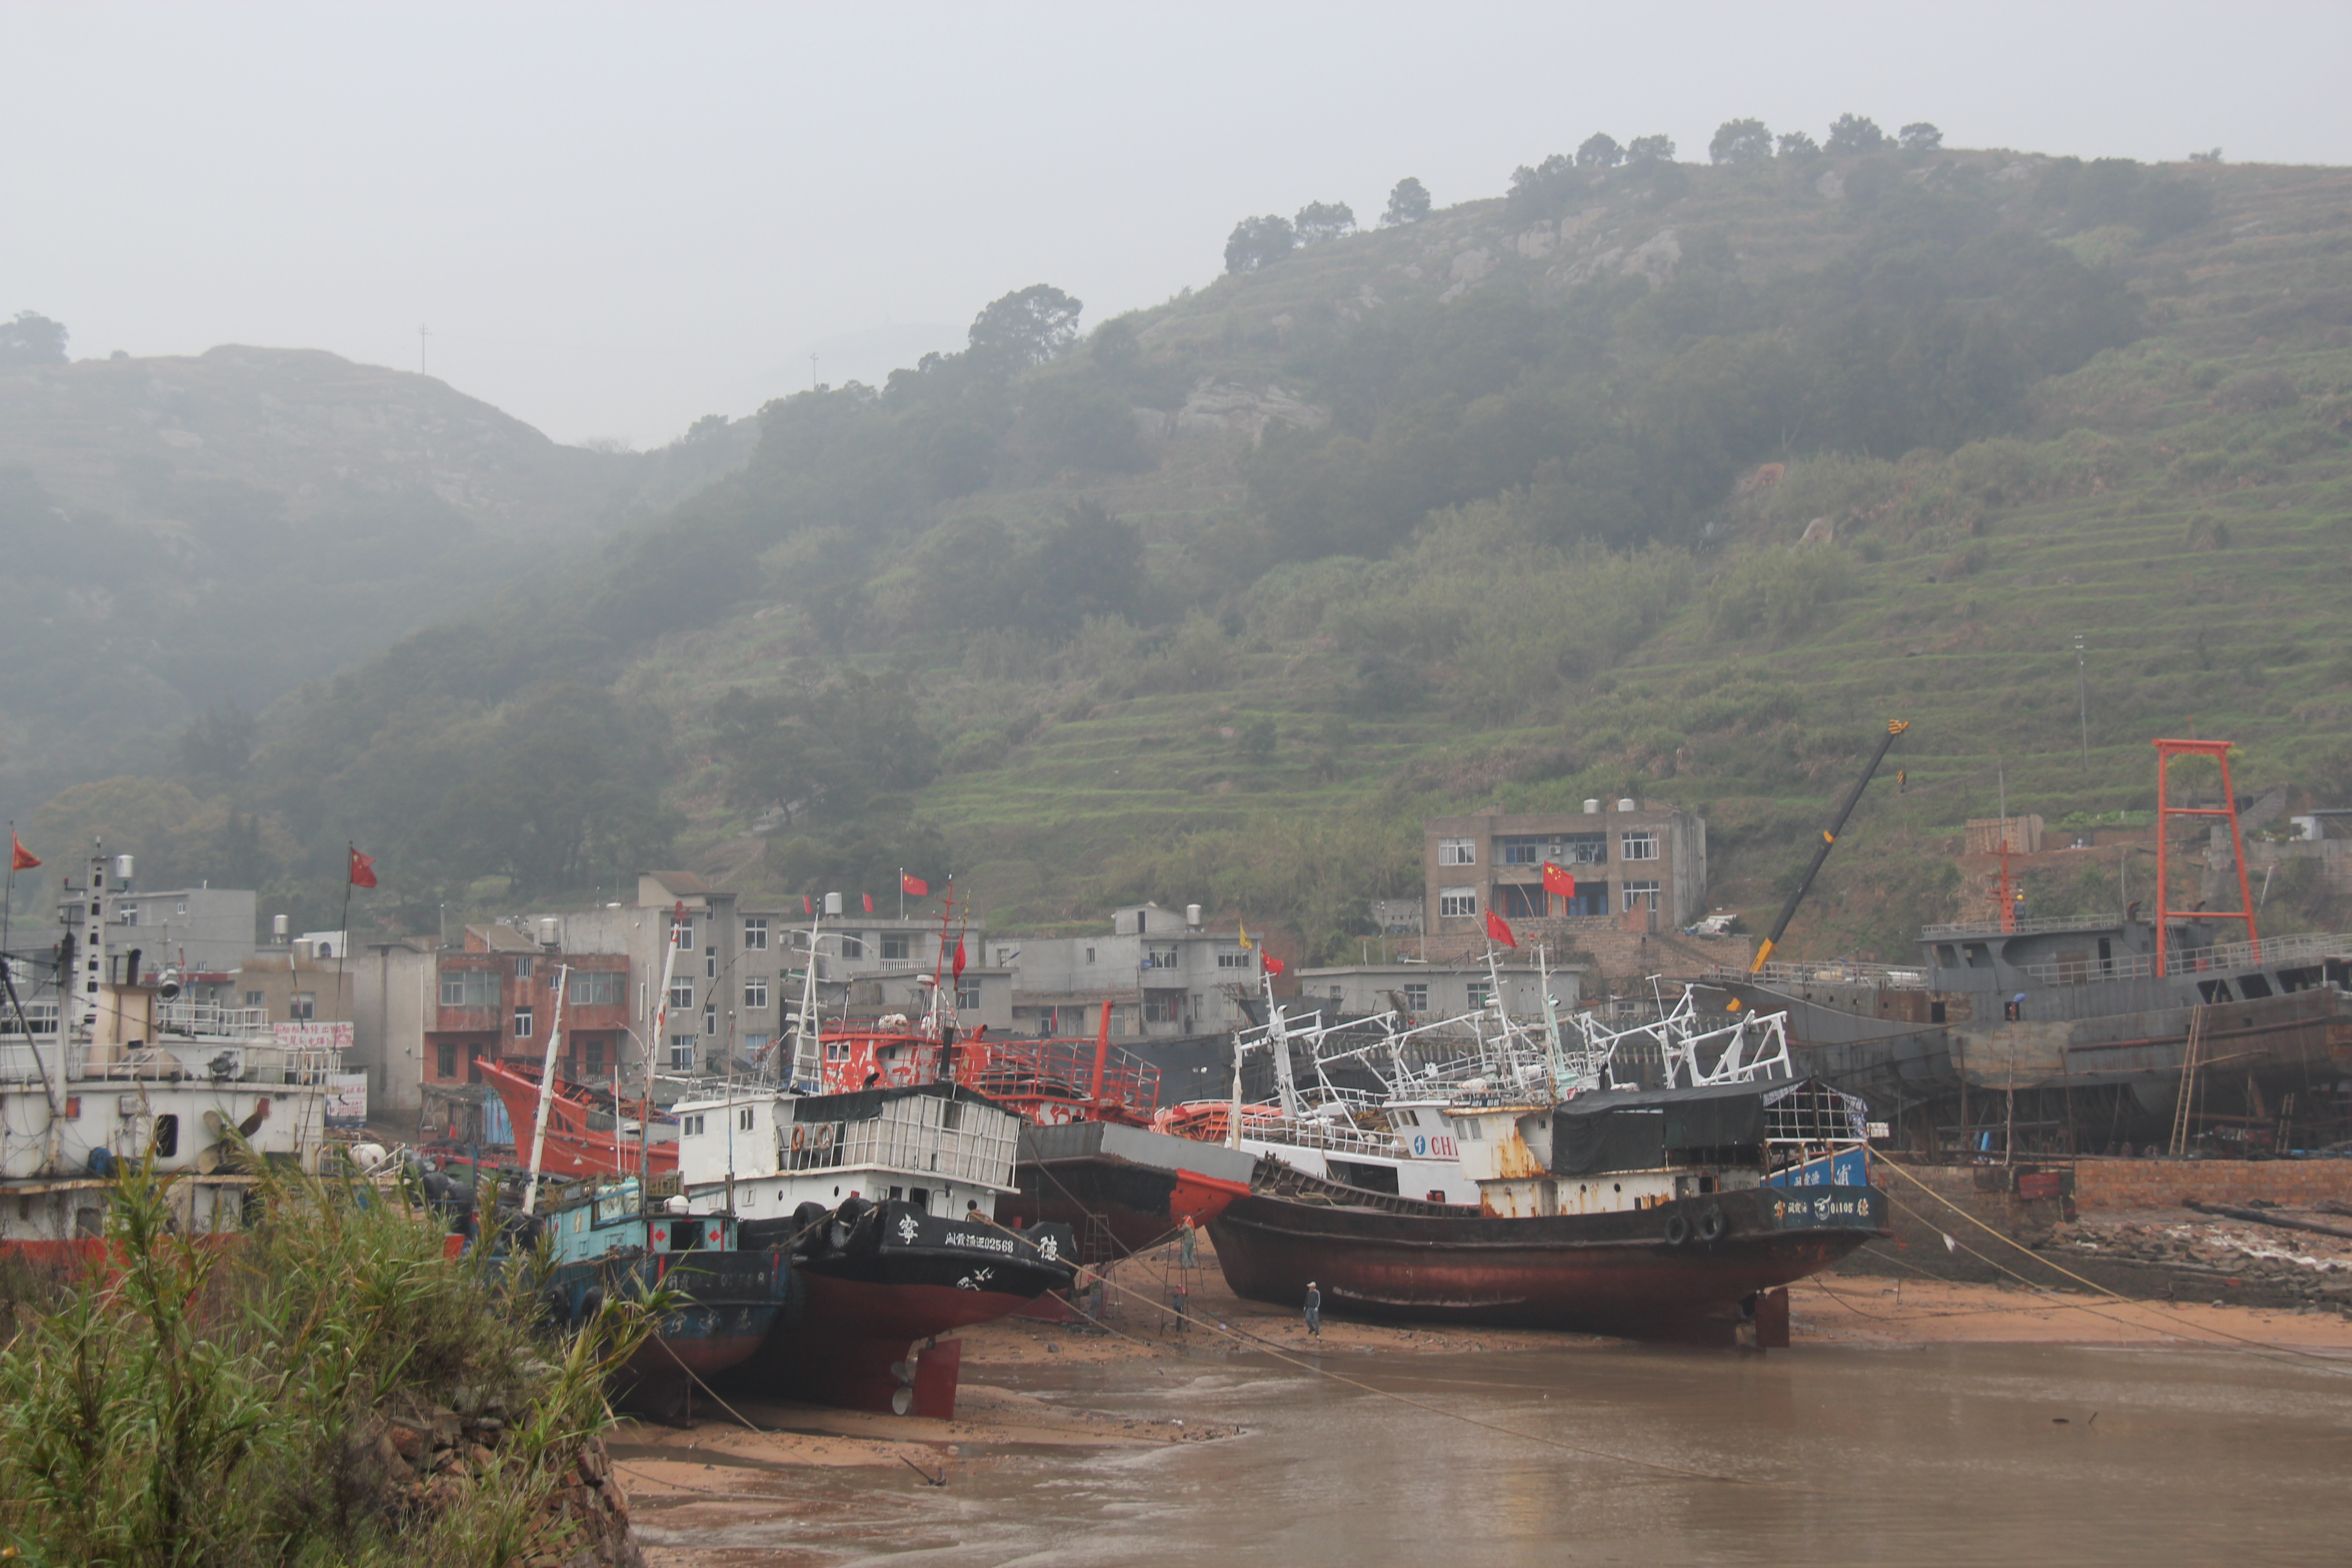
point(1778, 593)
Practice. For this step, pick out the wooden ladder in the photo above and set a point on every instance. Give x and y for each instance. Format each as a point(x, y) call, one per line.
point(2190, 1061)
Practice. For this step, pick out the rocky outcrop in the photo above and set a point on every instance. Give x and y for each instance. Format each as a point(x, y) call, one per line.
point(1229, 409)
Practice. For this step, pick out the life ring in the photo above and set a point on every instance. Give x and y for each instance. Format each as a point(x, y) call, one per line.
point(800, 1138)
point(1712, 1225)
point(822, 1139)
point(1677, 1229)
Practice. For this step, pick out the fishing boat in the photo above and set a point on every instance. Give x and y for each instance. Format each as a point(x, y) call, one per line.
point(887, 1200)
point(1670, 1215)
point(609, 1242)
point(587, 1132)
point(103, 1063)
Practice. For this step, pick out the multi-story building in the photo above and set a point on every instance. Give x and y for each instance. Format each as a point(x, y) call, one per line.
point(189, 930)
point(1163, 974)
point(1423, 992)
point(1647, 861)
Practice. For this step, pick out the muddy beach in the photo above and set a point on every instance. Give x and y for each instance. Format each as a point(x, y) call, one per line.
point(1158, 1442)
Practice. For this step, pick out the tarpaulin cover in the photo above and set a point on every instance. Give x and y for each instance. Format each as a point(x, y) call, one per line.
point(1634, 1129)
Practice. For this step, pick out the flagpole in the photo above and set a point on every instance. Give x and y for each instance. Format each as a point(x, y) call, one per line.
point(343, 943)
point(902, 892)
point(8, 900)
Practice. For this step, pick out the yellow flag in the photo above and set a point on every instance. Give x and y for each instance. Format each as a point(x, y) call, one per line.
point(1245, 931)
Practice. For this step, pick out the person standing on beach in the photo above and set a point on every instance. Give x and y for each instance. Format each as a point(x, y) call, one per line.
point(1314, 1310)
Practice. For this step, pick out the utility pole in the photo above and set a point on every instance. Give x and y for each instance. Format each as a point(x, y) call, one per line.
point(2083, 697)
point(422, 333)
point(811, 373)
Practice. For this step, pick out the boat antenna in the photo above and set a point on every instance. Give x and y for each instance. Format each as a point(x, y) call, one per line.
point(645, 1057)
point(808, 1060)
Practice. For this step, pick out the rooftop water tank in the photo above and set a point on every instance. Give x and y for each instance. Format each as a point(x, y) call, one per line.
point(1627, 805)
point(1591, 808)
point(832, 903)
point(1192, 917)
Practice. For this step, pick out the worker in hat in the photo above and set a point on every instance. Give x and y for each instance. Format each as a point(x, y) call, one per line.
point(1314, 1310)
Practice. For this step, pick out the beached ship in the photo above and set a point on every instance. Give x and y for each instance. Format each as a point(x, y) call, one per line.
point(1670, 1214)
point(588, 1132)
point(887, 1200)
point(103, 1063)
point(609, 1243)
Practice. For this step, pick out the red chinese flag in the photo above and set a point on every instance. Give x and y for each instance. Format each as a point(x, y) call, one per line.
point(1273, 965)
point(1558, 880)
point(23, 858)
point(959, 958)
point(808, 905)
point(914, 887)
point(363, 871)
point(1499, 929)
point(869, 903)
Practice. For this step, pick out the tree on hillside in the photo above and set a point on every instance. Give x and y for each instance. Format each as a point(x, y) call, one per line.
point(216, 746)
point(1796, 144)
point(1600, 151)
point(1257, 243)
point(1025, 328)
point(1408, 203)
point(32, 340)
point(1116, 347)
point(1854, 133)
point(1090, 564)
point(2210, 155)
point(1318, 221)
point(1649, 150)
point(1740, 141)
point(1544, 190)
point(1919, 136)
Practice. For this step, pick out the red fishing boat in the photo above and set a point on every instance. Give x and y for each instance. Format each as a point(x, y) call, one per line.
point(585, 1135)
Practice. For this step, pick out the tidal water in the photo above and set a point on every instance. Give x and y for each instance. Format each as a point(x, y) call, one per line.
point(1952, 1454)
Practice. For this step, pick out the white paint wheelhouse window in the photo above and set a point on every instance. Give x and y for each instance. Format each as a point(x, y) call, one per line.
point(689, 1126)
point(1640, 845)
point(1639, 895)
point(1458, 852)
point(1455, 901)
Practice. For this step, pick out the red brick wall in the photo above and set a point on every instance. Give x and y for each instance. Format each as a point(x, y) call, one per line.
point(2164, 1183)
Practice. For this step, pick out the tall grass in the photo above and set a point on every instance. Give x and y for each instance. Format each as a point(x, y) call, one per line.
point(219, 1401)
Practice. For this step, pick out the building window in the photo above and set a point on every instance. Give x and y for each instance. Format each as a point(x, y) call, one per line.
point(1522, 901)
point(1641, 846)
point(596, 988)
point(594, 1062)
point(447, 1053)
point(853, 947)
point(1162, 1006)
point(1416, 996)
point(128, 914)
point(710, 1017)
point(894, 944)
point(1458, 852)
point(1584, 849)
point(681, 1053)
point(1453, 901)
point(469, 988)
point(755, 993)
point(522, 968)
point(1519, 851)
point(184, 906)
point(302, 1006)
point(522, 1023)
point(755, 936)
point(681, 993)
point(1159, 958)
point(1091, 955)
point(967, 994)
point(682, 932)
point(1234, 958)
point(255, 999)
point(1479, 991)
point(1640, 895)
point(710, 967)
point(689, 1126)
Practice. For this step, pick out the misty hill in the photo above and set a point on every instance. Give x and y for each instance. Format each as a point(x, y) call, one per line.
point(1217, 601)
point(185, 535)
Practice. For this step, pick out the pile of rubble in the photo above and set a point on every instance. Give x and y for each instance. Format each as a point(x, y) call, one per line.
point(2313, 1267)
point(429, 1455)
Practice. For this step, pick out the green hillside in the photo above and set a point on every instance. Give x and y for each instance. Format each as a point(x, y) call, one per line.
point(205, 534)
point(1218, 601)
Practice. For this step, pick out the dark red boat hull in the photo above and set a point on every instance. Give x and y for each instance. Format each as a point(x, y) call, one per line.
point(1608, 1274)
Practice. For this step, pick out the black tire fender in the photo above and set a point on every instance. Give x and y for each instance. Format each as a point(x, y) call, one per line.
point(1678, 1229)
point(1712, 1225)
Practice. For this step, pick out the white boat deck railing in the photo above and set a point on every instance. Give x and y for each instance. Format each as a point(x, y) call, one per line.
point(1974, 931)
point(2271, 952)
point(202, 1018)
point(1307, 1132)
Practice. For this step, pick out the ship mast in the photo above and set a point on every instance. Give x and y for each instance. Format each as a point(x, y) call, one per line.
point(547, 1093)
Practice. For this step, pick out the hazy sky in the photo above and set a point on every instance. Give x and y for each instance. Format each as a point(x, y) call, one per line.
point(617, 217)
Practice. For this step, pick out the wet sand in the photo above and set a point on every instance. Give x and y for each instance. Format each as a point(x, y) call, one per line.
point(1045, 1408)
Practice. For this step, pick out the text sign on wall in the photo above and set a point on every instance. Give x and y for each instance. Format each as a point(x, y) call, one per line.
point(347, 1098)
point(313, 1036)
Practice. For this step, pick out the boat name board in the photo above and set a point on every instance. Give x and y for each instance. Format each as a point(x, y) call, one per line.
point(1798, 1208)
